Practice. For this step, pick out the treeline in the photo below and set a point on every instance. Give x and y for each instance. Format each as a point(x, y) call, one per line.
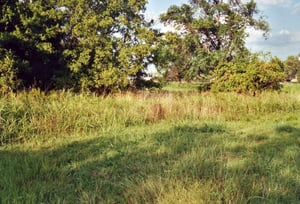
point(106, 45)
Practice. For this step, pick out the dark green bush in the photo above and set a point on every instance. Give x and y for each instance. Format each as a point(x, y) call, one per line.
point(148, 84)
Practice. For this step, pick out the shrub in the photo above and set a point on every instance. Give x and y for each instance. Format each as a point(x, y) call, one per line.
point(8, 72)
point(204, 86)
point(248, 76)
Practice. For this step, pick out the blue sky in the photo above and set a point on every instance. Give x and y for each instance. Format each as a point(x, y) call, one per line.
point(283, 17)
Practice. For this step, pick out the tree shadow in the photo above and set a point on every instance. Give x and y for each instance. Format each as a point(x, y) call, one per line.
point(101, 166)
point(270, 169)
point(103, 169)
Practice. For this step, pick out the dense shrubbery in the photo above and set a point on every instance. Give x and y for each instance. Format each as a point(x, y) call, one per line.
point(249, 76)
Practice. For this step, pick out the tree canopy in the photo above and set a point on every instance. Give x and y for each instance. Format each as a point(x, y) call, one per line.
point(106, 42)
point(87, 44)
point(210, 32)
point(31, 33)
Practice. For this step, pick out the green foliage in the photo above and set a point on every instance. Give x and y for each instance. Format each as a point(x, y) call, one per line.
point(204, 86)
point(151, 84)
point(106, 44)
point(182, 58)
point(249, 76)
point(209, 33)
point(31, 31)
point(89, 45)
point(292, 67)
point(8, 72)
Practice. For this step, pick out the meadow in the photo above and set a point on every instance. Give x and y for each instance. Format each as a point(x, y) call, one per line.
point(171, 146)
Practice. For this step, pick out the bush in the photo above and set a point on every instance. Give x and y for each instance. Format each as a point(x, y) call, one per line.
point(249, 76)
point(204, 86)
point(147, 84)
point(8, 72)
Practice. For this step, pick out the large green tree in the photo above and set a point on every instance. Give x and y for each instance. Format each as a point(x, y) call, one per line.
point(211, 32)
point(97, 45)
point(31, 32)
point(107, 43)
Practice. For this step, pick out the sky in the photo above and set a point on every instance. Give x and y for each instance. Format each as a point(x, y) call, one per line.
point(283, 17)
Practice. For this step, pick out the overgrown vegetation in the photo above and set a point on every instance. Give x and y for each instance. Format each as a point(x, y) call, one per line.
point(150, 147)
point(107, 46)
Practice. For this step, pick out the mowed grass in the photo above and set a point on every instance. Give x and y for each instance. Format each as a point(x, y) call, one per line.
point(150, 147)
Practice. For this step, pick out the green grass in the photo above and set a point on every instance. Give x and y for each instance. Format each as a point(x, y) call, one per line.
point(199, 148)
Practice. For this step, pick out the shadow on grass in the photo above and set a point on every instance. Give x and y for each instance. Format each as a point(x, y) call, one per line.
point(112, 169)
point(270, 170)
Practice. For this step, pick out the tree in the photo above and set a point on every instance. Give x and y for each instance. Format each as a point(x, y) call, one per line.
point(181, 58)
point(30, 31)
point(211, 32)
point(86, 44)
point(292, 67)
point(107, 43)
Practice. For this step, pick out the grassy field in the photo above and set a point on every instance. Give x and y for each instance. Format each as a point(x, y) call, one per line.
point(150, 147)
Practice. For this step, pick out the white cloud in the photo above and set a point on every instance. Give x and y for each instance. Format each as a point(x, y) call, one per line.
point(281, 43)
point(284, 32)
point(254, 35)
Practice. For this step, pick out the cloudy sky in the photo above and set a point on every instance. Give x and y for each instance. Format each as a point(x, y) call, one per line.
point(282, 15)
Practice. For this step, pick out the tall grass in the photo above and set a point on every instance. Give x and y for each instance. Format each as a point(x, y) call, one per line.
point(33, 114)
point(150, 147)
